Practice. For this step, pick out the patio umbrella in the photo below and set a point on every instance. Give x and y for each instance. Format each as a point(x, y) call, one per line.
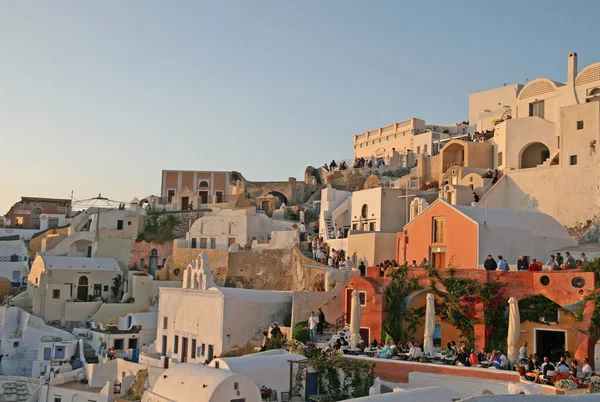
point(355, 318)
point(429, 325)
point(514, 330)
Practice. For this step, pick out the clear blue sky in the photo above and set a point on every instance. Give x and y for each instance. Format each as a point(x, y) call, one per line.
point(101, 96)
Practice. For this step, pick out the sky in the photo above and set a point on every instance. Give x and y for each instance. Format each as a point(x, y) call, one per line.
point(99, 97)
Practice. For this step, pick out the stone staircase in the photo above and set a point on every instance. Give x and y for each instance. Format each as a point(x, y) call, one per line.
point(89, 353)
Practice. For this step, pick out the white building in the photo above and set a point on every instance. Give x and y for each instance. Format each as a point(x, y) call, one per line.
point(220, 229)
point(54, 281)
point(264, 368)
point(29, 346)
point(200, 321)
point(198, 383)
point(13, 260)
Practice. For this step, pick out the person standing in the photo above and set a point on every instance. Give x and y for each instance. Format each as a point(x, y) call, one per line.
point(302, 230)
point(522, 264)
point(321, 323)
point(502, 264)
point(523, 352)
point(302, 216)
point(349, 264)
point(362, 268)
point(265, 341)
point(490, 264)
point(312, 326)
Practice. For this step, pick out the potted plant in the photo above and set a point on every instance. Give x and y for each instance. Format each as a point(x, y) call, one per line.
point(265, 393)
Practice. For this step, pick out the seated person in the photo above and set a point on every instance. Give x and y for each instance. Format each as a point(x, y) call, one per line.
point(496, 360)
point(449, 353)
point(393, 349)
point(586, 369)
point(473, 358)
point(344, 341)
point(461, 357)
point(534, 266)
point(546, 366)
point(482, 356)
point(337, 345)
point(533, 368)
point(562, 366)
point(574, 368)
point(570, 261)
point(414, 353)
point(385, 352)
point(374, 343)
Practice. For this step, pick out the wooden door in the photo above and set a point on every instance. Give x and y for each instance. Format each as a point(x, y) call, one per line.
point(185, 203)
point(203, 195)
point(230, 241)
point(439, 260)
point(164, 345)
point(184, 348)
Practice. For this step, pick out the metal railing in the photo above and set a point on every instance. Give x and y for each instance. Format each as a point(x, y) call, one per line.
point(340, 323)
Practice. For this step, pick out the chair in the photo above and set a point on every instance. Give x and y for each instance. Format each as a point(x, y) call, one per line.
point(549, 374)
point(285, 397)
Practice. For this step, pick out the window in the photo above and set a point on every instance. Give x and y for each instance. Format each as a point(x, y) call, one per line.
point(193, 351)
point(425, 148)
point(16, 344)
point(210, 352)
point(56, 293)
point(551, 315)
point(578, 282)
point(355, 226)
point(545, 280)
point(120, 224)
point(170, 195)
point(203, 184)
point(118, 344)
point(36, 211)
point(580, 125)
point(97, 289)
point(142, 264)
point(499, 160)
point(176, 344)
point(203, 349)
point(364, 211)
point(53, 222)
point(165, 322)
point(106, 288)
point(128, 223)
point(57, 399)
point(132, 343)
point(536, 109)
point(418, 150)
point(47, 354)
point(59, 352)
point(213, 242)
point(16, 276)
point(362, 296)
point(236, 385)
point(203, 242)
point(372, 226)
point(573, 160)
point(19, 220)
point(194, 240)
point(439, 226)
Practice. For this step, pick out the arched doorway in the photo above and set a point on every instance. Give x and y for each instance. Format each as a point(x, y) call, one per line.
point(82, 288)
point(533, 155)
point(282, 198)
point(453, 155)
point(153, 261)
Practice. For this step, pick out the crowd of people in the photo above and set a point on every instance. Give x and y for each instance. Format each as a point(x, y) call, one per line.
point(333, 165)
point(482, 136)
point(538, 371)
point(555, 263)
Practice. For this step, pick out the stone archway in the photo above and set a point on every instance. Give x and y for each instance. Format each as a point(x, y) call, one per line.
point(282, 198)
point(533, 154)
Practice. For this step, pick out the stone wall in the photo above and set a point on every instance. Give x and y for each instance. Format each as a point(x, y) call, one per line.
point(183, 221)
point(142, 249)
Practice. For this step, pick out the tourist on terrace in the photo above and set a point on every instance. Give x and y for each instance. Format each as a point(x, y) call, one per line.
point(502, 264)
point(449, 353)
point(574, 368)
point(582, 259)
point(546, 366)
point(570, 261)
point(144, 348)
point(393, 349)
point(562, 365)
point(490, 264)
point(340, 233)
point(522, 264)
point(533, 267)
point(533, 369)
point(473, 359)
point(312, 326)
point(302, 216)
point(414, 352)
point(523, 352)
point(407, 344)
point(586, 369)
point(384, 353)
point(265, 341)
point(503, 360)
point(475, 197)
point(276, 331)
point(482, 355)
point(495, 360)
point(424, 263)
point(559, 259)
point(111, 354)
point(302, 230)
point(552, 264)
point(414, 264)
point(349, 263)
point(321, 323)
point(362, 268)
point(332, 165)
point(374, 343)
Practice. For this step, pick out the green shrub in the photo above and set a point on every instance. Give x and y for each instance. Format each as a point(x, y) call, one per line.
point(300, 332)
point(241, 351)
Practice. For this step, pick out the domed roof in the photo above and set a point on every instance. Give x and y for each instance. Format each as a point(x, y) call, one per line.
point(189, 382)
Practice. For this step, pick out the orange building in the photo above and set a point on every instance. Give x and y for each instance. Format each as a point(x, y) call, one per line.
point(461, 237)
point(30, 211)
point(561, 330)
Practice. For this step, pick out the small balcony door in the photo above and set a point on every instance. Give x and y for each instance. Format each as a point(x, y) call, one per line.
point(184, 349)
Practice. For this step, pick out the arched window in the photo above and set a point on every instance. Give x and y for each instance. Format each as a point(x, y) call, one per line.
point(203, 184)
point(36, 211)
point(365, 211)
point(83, 280)
point(595, 92)
point(154, 252)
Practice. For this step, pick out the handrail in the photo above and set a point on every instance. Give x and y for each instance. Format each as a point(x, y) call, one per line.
point(340, 323)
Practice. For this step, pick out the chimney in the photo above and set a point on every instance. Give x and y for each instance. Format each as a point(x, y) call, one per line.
point(572, 73)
